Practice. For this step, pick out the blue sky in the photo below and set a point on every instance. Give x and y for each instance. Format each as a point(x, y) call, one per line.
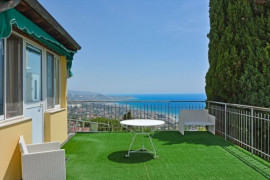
point(136, 46)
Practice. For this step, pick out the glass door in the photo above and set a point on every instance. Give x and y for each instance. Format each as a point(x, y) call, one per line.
point(34, 104)
point(33, 74)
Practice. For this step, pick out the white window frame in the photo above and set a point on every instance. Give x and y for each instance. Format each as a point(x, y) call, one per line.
point(3, 44)
point(5, 79)
point(44, 51)
point(55, 57)
point(43, 73)
point(27, 42)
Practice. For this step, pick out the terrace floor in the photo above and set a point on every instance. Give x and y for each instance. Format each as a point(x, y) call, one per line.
point(197, 155)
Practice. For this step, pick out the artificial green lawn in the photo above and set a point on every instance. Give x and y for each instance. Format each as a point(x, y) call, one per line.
point(197, 155)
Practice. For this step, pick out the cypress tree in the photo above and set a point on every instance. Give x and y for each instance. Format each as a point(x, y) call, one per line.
point(239, 50)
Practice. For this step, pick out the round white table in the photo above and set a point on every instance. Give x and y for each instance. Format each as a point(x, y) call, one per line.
point(142, 123)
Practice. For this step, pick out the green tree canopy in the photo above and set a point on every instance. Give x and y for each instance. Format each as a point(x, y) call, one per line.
point(127, 115)
point(239, 50)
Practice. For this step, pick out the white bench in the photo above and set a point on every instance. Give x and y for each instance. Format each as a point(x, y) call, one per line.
point(196, 117)
point(42, 161)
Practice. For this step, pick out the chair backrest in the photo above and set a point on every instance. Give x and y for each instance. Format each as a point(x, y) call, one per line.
point(23, 145)
point(94, 127)
point(194, 115)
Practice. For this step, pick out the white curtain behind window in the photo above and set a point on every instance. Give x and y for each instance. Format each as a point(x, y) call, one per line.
point(14, 84)
point(50, 81)
point(56, 81)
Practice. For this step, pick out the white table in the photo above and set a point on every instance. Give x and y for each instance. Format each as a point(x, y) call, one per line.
point(142, 123)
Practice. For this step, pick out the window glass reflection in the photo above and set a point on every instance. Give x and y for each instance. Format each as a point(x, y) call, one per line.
point(33, 74)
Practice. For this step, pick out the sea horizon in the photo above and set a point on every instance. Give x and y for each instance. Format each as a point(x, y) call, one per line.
point(166, 97)
point(157, 105)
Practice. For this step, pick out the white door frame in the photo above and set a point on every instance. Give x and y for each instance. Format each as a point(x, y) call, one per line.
point(41, 103)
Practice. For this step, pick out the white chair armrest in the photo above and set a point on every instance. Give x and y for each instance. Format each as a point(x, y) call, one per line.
point(212, 119)
point(44, 165)
point(181, 124)
point(32, 148)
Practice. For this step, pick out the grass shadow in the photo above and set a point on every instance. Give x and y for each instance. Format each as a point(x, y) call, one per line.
point(119, 157)
point(207, 139)
point(251, 161)
point(190, 137)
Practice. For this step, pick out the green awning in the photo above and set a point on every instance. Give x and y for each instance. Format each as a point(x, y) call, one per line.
point(15, 18)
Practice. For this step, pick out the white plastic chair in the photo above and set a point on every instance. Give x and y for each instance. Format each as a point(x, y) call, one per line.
point(42, 161)
point(196, 117)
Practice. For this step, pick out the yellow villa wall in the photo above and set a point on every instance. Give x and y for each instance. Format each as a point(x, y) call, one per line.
point(63, 64)
point(55, 124)
point(10, 154)
point(56, 121)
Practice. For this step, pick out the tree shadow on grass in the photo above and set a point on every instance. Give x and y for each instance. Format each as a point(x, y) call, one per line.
point(251, 161)
point(190, 137)
point(119, 157)
point(207, 139)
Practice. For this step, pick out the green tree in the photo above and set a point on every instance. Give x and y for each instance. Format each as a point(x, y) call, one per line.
point(127, 115)
point(238, 54)
point(239, 58)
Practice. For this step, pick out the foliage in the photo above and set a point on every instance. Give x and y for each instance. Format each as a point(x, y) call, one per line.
point(114, 124)
point(238, 54)
point(128, 115)
point(87, 124)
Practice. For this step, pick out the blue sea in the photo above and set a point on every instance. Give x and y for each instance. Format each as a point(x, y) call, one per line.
point(161, 102)
point(167, 97)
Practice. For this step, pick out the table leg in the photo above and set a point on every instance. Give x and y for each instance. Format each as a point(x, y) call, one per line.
point(155, 153)
point(143, 147)
point(134, 137)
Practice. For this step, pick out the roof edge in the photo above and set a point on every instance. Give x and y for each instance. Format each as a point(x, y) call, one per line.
point(46, 15)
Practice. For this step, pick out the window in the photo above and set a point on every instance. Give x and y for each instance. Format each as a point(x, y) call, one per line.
point(50, 80)
point(56, 82)
point(14, 77)
point(53, 81)
point(1, 77)
point(33, 74)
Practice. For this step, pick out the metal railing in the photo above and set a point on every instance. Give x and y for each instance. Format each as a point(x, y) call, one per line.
point(246, 126)
point(167, 111)
point(75, 125)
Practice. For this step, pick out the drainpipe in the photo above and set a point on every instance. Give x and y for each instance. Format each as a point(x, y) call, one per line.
point(8, 5)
